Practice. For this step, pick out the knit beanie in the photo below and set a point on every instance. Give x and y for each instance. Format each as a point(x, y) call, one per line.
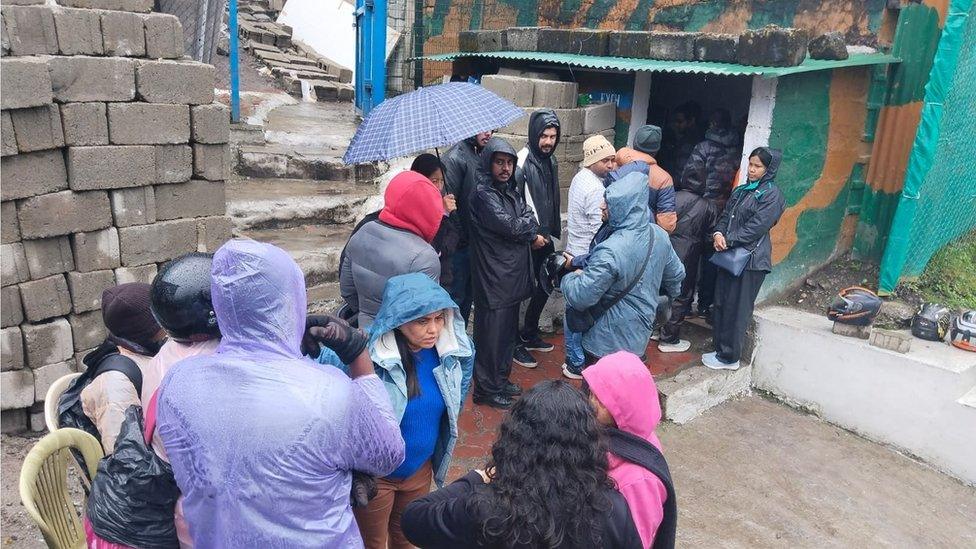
point(126, 313)
point(595, 149)
point(648, 139)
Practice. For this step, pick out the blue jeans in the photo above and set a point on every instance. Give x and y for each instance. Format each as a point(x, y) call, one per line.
point(461, 285)
point(574, 345)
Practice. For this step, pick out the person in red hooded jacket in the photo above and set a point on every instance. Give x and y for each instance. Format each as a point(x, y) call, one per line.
point(624, 396)
point(396, 243)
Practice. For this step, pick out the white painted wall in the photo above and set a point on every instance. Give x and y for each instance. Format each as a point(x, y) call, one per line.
point(912, 401)
point(761, 106)
point(641, 101)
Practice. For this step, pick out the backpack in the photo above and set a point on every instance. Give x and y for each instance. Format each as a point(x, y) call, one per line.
point(107, 359)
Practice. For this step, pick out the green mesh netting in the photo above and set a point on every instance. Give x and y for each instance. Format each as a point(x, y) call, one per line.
point(938, 202)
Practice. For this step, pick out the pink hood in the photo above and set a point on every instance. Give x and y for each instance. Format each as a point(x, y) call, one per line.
point(625, 386)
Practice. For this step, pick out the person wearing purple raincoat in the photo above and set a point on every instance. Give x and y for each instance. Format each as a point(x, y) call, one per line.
point(262, 440)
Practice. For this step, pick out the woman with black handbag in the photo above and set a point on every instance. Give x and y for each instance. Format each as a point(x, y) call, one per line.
point(743, 255)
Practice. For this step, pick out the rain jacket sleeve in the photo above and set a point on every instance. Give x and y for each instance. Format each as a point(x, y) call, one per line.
point(490, 215)
point(372, 442)
point(664, 214)
point(583, 289)
point(768, 209)
point(104, 401)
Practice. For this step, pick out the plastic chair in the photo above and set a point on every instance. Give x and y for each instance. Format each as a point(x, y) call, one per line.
point(44, 485)
point(51, 399)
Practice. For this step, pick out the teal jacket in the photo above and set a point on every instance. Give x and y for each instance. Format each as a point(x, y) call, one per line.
point(615, 262)
point(405, 298)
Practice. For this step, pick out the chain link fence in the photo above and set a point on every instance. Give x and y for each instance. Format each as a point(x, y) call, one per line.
point(938, 203)
point(202, 21)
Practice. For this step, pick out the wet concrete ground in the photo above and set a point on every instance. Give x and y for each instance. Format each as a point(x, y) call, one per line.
point(749, 473)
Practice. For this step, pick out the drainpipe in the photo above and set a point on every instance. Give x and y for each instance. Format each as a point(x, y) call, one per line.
point(235, 83)
point(418, 43)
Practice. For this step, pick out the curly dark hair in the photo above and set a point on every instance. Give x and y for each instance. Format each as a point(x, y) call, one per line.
point(548, 468)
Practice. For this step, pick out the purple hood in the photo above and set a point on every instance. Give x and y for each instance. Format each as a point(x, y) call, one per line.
point(261, 439)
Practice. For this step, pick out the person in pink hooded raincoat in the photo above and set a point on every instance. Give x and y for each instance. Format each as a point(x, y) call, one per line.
point(623, 393)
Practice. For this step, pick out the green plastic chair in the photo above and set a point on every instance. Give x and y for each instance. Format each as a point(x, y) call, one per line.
point(44, 485)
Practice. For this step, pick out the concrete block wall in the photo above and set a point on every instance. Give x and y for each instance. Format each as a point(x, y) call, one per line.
point(576, 123)
point(113, 161)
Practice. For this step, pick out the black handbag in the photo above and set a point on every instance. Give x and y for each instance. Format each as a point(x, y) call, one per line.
point(580, 322)
point(734, 260)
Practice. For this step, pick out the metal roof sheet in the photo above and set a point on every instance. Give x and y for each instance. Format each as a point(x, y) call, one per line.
point(702, 67)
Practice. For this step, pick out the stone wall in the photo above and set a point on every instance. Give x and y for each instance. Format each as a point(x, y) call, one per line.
point(113, 162)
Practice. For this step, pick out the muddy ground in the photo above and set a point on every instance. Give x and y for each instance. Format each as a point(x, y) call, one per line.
point(750, 473)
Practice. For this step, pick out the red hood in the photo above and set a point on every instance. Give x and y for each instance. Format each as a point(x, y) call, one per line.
point(413, 203)
point(625, 386)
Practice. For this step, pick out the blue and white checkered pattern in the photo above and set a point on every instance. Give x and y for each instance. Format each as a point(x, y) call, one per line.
point(436, 116)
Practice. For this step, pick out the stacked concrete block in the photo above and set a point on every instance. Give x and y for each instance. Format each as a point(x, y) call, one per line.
point(113, 162)
point(772, 46)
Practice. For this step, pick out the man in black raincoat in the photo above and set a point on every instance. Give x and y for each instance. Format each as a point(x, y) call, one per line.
point(503, 233)
point(538, 182)
point(462, 162)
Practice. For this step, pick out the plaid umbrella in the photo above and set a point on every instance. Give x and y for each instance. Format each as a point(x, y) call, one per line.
point(426, 118)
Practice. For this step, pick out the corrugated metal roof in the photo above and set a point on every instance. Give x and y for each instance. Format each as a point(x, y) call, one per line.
point(703, 67)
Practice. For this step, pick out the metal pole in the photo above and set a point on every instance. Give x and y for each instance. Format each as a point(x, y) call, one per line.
point(378, 74)
point(235, 82)
point(418, 43)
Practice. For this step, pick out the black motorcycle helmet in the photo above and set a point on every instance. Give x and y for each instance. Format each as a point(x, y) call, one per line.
point(181, 299)
point(551, 271)
point(931, 322)
point(855, 306)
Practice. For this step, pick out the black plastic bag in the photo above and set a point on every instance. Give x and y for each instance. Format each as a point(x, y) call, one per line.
point(133, 497)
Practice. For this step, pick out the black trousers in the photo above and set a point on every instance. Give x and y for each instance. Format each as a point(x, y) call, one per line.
point(681, 305)
point(735, 298)
point(707, 280)
point(495, 331)
point(530, 328)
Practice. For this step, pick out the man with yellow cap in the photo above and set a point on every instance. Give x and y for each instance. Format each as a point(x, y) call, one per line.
point(584, 217)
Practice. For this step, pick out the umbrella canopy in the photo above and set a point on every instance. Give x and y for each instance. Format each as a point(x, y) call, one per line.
point(426, 118)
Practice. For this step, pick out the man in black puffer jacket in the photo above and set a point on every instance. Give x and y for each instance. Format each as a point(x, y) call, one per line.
point(538, 182)
point(503, 233)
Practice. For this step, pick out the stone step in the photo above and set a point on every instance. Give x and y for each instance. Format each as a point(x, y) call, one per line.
point(316, 248)
point(323, 298)
point(273, 160)
point(288, 203)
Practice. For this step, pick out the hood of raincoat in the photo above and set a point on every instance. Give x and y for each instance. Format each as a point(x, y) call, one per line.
point(773, 167)
point(258, 293)
point(625, 386)
point(724, 138)
point(497, 145)
point(538, 122)
point(627, 202)
point(413, 203)
point(409, 297)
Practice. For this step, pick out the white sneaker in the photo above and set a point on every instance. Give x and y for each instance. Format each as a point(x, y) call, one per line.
point(710, 360)
point(571, 372)
point(681, 346)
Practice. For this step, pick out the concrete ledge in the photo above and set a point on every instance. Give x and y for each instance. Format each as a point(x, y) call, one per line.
point(916, 402)
point(693, 391)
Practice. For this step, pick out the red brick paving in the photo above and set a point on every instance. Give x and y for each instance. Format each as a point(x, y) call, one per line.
point(479, 424)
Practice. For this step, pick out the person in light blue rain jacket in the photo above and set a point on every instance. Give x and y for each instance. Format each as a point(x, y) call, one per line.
point(425, 358)
point(611, 267)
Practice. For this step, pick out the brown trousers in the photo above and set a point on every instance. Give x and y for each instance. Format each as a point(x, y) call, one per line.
point(380, 520)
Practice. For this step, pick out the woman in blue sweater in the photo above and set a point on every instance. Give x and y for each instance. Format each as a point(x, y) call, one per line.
point(423, 355)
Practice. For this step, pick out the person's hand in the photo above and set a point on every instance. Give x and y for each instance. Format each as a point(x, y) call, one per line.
point(718, 241)
point(363, 489)
point(450, 203)
point(568, 266)
point(334, 333)
point(539, 242)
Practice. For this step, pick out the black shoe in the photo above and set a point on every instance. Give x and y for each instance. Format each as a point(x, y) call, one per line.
point(501, 402)
point(535, 343)
point(572, 372)
point(523, 358)
point(512, 390)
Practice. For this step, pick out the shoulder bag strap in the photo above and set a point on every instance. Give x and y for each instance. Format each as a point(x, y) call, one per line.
point(119, 363)
point(598, 310)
